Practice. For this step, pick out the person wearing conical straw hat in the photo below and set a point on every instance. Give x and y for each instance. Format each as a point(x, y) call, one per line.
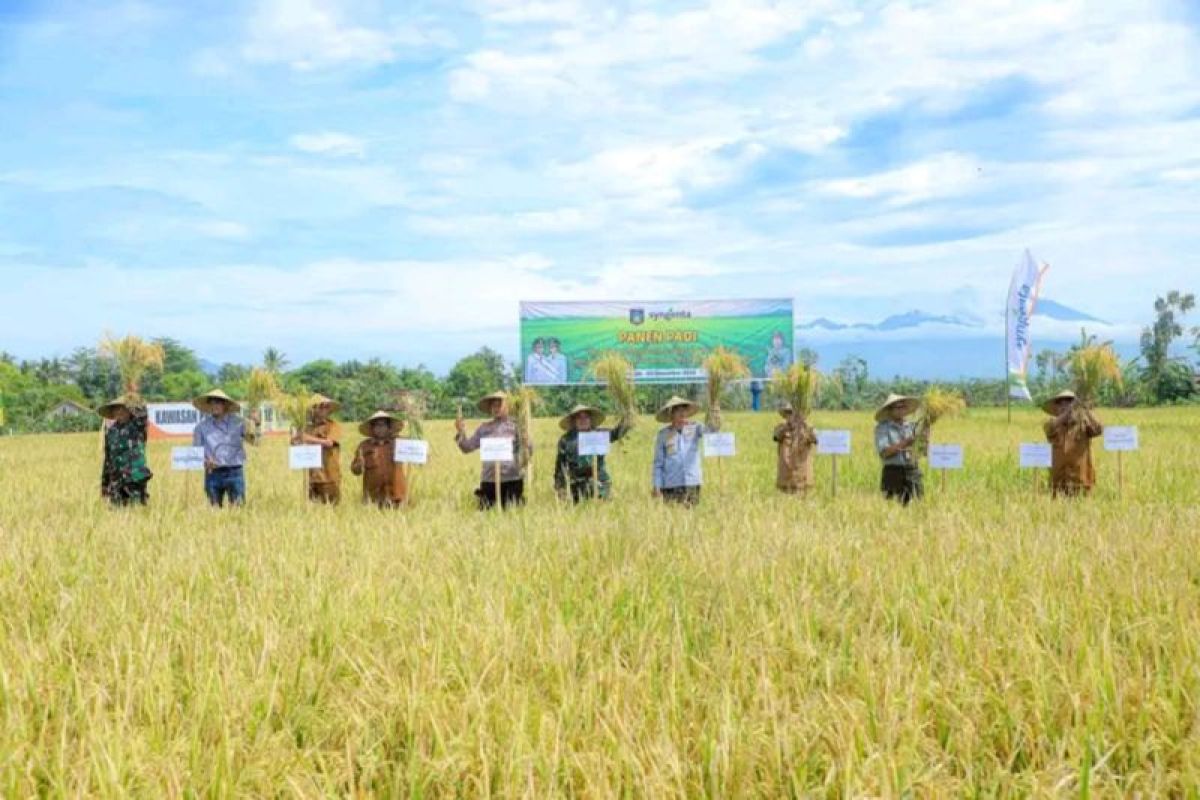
point(1070, 432)
point(222, 434)
point(125, 475)
point(324, 484)
point(384, 482)
point(677, 474)
point(895, 438)
point(794, 439)
point(583, 476)
point(512, 474)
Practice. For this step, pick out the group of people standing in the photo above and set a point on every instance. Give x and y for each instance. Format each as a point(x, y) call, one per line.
point(676, 475)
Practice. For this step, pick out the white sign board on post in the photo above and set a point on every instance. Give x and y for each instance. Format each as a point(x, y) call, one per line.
point(594, 443)
point(304, 456)
point(187, 459)
point(1035, 455)
point(1121, 439)
point(496, 449)
point(411, 451)
point(833, 443)
point(719, 445)
point(945, 456)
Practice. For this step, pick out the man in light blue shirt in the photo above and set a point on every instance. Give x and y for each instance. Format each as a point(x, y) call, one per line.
point(222, 434)
point(677, 473)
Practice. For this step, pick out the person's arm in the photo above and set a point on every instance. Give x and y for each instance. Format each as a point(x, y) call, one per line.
point(1053, 430)
point(780, 433)
point(713, 423)
point(1093, 426)
point(468, 444)
point(247, 430)
point(658, 473)
point(886, 448)
point(356, 466)
point(560, 467)
point(618, 433)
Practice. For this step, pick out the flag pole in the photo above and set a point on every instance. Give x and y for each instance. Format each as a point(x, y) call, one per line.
point(1007, 387)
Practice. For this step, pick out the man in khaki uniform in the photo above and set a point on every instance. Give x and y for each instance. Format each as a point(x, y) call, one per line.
point(795, 439)
point(1070, 435)
point(384, 481)
point(324, 484)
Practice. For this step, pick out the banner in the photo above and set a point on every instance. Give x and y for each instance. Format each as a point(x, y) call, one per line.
point(1022, 297)
point(666, 341)
point(179, 420)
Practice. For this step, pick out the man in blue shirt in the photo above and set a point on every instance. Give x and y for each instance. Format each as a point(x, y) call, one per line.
point(677, 472)
point(222, 434)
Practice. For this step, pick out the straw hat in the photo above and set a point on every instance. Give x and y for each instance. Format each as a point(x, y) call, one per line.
point(204, 401)
point(1048, 406)
point(393, 420)
point(483, 401)
point(786, 410)
point(910, 405)
point(319, 399)
point(566, 423)
point(108, 410)
point(664, 413)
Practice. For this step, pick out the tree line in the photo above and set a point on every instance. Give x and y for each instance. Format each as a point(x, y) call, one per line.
point(31, 389)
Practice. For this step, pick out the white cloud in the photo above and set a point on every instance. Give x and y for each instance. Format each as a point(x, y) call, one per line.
point(329, 143)
point(944, 175)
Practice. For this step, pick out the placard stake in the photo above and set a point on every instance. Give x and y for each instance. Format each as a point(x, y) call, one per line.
point(496, 472)
point(1120, 476)
point(595, 477)
point(834, 464)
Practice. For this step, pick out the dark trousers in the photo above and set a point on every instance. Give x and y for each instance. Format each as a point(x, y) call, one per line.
point(225, 482)
point(683, 495)
point(902, 483)
point(128, 494)
point(512, 493)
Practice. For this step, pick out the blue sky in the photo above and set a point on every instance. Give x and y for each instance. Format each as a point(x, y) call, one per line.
point(356, 178)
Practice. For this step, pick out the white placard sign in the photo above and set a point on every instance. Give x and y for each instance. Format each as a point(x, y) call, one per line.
point(1121, 438)
point(187, 459)
point(1035, 455)
point(498, 449)
point(833, 443)
point(304, 456)
point(594, 443)
point(945, 456)
point(411, 451)
point(719, 445)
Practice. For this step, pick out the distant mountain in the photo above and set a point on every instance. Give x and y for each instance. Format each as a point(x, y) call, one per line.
point(909, 319)
point(1054, 310)
point(209, 368)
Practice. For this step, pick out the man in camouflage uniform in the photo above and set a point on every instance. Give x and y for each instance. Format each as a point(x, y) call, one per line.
point(583, 475)
point(125, 474)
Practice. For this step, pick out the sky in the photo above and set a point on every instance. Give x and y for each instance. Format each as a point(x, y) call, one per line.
point(356, 179)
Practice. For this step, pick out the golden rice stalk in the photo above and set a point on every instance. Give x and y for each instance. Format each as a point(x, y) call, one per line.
point(616, 373)
point(936, 404)
point(412, 408)
point(260, 388)
point(722, 367)
point(134, 356)
point(1092, 369)
point(521, 404)
point(798, 386)
point(294, 408)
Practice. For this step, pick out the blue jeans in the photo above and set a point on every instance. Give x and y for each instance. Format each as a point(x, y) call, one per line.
point(224, 482)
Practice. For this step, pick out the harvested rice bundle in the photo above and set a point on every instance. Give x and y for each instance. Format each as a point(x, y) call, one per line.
point(412, 408)
point(135, 357)
point(616, 373)
point(521, 405)
point(260, 388)
point(936, 404)
point(1093, 368)
point(798, 386)
point(722, 367)
point(294, 408)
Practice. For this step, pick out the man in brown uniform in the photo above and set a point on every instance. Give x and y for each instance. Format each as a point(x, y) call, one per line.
point(1070, 433)
point(795, 438)
point(384, 482)
point(324, 484)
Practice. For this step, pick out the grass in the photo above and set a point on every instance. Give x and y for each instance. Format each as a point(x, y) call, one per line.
point(987, 642)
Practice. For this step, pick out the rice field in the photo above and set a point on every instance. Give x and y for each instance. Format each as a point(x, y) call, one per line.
point(987, 642)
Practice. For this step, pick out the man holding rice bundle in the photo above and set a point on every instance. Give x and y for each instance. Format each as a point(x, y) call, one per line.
point(794, 439)
point(384, 481)
point(324, 484)
point(677, 473)
point(125, 474)
point(583, 476)
point(895, 439)
point(222, 434)
point(1070, 432)
point(512, 473)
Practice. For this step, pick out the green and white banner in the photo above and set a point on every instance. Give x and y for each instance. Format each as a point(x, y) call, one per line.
point(666, 341)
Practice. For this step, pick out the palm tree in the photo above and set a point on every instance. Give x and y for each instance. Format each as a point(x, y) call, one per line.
point(274, 361)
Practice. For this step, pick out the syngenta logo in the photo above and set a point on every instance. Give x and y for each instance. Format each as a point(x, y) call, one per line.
point(1021, 327)
point(637, 316)
point(669, 314)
